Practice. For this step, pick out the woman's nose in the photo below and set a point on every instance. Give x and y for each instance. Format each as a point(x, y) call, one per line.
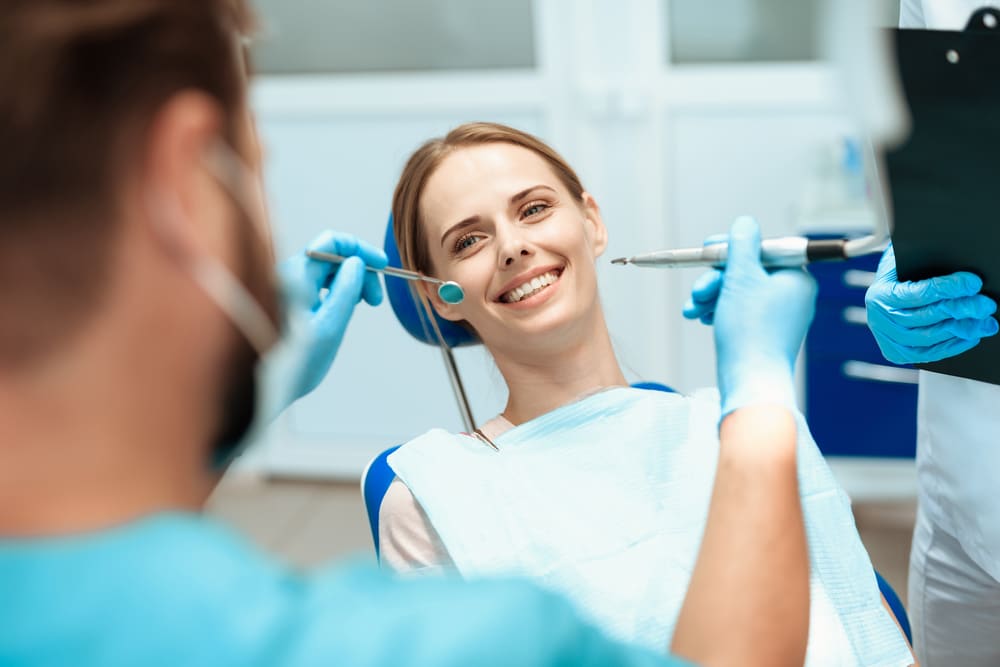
point(509, 257)
point(512, 245)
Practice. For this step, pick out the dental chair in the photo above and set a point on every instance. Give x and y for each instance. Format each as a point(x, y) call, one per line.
point(378, 475)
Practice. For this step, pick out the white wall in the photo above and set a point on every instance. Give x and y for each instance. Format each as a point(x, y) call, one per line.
point(671, 151)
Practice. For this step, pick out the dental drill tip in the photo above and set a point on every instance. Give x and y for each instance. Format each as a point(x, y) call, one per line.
point(620, 260)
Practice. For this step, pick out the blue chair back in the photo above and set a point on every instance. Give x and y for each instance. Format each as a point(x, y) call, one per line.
point(411, 313)
point(895, 604)
point(375, 481)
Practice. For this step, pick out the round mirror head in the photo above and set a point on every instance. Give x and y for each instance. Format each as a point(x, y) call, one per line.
point(451, 292)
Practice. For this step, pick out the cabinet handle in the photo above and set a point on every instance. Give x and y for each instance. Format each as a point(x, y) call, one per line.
point(862, 370)
point(858, 278)
point(856, 315)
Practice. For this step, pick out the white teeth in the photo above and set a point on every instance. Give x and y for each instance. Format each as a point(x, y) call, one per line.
point(530, 287)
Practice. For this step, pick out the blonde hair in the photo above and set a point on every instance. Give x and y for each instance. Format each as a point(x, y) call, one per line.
point(408, 227)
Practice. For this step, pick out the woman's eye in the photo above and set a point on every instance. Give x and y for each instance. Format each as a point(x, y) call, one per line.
point(466, 242)
point(534, 209)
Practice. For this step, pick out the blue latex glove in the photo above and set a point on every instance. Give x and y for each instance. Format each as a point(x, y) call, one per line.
point(705, 292)
point(760, 318)
point(304, 280)
point(927, 320)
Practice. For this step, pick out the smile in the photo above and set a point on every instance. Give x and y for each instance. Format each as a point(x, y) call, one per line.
point(531, 287)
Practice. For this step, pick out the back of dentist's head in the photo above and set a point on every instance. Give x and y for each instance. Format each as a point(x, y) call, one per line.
point(81, 85)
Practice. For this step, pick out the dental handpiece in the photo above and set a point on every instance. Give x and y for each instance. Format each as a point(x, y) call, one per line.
point(785, 251)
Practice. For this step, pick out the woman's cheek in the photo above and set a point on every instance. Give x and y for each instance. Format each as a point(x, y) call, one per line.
point(473, 276)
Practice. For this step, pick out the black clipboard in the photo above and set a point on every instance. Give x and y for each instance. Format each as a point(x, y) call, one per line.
point(945, 180)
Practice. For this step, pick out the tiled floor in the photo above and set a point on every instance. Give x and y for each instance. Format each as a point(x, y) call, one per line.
point(887, 530)
point(308, 523)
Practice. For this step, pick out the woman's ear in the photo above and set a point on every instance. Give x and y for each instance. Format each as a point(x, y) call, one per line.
point(446, 310)
point(596, 231)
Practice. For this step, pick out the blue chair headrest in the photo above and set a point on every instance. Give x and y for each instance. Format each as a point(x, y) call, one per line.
point(410, 312)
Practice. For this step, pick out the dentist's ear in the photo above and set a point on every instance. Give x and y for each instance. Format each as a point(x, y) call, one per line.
point(176, 190)
point(596, 231)
point(169, 226)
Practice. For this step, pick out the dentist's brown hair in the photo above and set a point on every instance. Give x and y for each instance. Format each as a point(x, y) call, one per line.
point(80, 84)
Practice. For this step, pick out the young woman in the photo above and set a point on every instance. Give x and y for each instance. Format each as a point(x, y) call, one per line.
point(595, 489)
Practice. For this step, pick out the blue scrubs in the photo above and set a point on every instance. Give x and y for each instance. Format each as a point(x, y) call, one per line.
point(177, 589)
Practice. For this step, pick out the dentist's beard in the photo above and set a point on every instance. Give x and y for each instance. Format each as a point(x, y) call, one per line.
point(238, 402)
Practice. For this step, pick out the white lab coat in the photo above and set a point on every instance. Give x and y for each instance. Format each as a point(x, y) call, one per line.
point(954, 586)
point(939, 14)
point(958, 439)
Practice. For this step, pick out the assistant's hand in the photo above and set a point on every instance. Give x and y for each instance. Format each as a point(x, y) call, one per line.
point(927, 320)
point(760, 317)
point(304, 279)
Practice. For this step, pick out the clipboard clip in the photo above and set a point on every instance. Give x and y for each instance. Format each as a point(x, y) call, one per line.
point(986, 19)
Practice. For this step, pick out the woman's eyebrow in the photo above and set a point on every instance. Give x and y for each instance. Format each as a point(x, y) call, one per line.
point(468, 222)
point(527, 191)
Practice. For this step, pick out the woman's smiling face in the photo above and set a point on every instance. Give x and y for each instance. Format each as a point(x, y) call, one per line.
point(501, 223)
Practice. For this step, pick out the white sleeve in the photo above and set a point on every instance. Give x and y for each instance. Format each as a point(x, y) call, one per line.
point(939, 14)
point(911, 14)
point(408, 543)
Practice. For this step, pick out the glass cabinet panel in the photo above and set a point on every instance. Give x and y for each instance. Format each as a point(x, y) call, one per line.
point(742, 30)
point(340, 36)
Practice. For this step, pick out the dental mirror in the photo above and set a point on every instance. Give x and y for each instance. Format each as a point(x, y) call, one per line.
point(448, 290)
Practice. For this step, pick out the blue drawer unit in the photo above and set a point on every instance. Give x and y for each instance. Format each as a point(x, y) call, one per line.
point(857, 403)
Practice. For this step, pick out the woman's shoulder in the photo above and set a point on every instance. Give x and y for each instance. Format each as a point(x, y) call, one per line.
point(437, 438)
point(434, 437)
point(700, 408)
point(437, 445)
point(407, 539)
point(399, 508)
point(701, 396)
point(707, 395)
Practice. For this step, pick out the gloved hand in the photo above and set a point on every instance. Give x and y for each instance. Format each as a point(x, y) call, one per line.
point(303, 280)
point(760, 318)
point(927, 320)
point(705, 292)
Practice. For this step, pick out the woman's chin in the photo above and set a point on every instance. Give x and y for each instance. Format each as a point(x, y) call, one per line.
point(546, 330)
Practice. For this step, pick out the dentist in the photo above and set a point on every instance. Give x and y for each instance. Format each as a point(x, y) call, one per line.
point(954, 584)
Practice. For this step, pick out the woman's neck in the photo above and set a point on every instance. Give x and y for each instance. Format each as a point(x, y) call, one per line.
point(543, 381)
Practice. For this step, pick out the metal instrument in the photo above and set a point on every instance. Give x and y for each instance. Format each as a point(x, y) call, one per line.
point(449, 291)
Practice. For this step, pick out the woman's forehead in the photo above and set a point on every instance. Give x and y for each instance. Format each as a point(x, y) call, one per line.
point(487, 175)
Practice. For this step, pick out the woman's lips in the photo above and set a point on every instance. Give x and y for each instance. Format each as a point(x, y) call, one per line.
point(533, 292)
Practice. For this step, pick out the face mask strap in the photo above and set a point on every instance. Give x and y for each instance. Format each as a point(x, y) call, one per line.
point(231, 296)
point(232, 173)
point(236, 302)
point(209, 273)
